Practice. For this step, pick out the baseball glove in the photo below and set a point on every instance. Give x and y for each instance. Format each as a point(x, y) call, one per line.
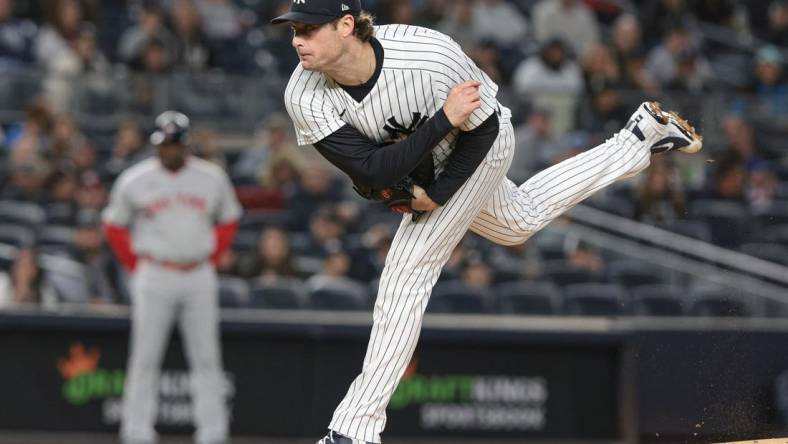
point(398, 197)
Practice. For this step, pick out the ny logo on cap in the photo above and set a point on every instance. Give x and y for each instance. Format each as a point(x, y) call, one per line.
point(299, 2)
point(345, 7)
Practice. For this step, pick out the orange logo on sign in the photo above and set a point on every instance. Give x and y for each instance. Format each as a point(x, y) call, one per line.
point(79, 361)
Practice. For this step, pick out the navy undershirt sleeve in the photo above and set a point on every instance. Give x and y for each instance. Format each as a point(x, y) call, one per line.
point(381, 167)
point(471, 148)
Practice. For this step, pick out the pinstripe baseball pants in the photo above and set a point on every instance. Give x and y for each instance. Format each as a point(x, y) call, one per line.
point(492, 206)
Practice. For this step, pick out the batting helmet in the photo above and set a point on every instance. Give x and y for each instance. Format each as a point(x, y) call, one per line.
point(171, 127)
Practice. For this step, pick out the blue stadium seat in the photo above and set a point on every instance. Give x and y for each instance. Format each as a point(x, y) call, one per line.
point(729, 222)
point(777, 233)
point(282, 294)
point(767, 251)
point(716, 302)
point(533, 298)
point(561, 273)
point(347, 295)
point(24, 213)
point(245, 241)
point(631, 273)
point(457, 297)
point(16, 235)
point(658, 300)
point(233, 292)
point(777, 214)
point(696, 229)
point(594, 299)
point(257, 220)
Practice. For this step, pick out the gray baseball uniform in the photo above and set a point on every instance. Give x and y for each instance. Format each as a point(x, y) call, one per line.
point(419, 69)
point(172, 216)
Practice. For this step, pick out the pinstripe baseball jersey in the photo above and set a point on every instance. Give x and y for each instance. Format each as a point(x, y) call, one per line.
point(420, 67)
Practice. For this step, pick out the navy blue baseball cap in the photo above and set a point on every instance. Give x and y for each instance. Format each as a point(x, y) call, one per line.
point(317, 12)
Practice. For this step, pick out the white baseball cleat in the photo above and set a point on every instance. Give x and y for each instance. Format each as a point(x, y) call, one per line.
point(669, 130)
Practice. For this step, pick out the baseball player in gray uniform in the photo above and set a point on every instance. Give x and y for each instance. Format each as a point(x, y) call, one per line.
point(169, 219)
point(379, 102)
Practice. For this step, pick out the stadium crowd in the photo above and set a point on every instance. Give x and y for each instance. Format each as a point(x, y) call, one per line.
point(571, 70)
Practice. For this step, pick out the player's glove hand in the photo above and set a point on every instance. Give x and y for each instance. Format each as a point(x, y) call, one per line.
point(397, 197)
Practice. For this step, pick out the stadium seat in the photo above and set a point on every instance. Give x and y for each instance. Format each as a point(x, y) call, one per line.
point(594, 299)
point(777, 214)
point(233, 292)
point(457, 297)
point(716, 302)
point(533, 298)
point(777, 233)
point(767, 251)
point(282, 294)
point(631, 273)
point(55, 236)
point(24, 213)
point(16, 235)
point(60, 214)
point(344, 295)
point(245, 241)
point(658, 300)
point(696, 229)
point(561, 273)
point(257, 220)
point(728, 221)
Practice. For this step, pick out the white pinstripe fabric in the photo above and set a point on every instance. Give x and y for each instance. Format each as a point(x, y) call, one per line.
point(490, 205)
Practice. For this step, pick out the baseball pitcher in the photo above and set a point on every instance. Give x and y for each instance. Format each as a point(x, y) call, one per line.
point(381, 102)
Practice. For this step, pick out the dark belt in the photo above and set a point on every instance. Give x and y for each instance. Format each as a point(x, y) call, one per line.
point(172, 265)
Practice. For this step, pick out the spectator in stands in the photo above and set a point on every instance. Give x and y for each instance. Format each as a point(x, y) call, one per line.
point(326, 231)
point(92, 193)
point(660, 198)
point(582, 256)
point(82, 158)
point(368, 261)
point(599, 68)
point(28, 173)
point(221, 19)
point(689, 79)
point(334, 275)
point(771, 89)
point(148, 80)
point(91, 251)
point(730, 177)
point(317, 187)
point(498, 21)
point(453, 268)
point(477, 275)
point(740, 136)
point(64, 136)
point(535, 145)
point(149, 26)
point(663, 60)
point(154, 58)
point(762, 187)
point(521, 261)
point(277, 45)
point(487, 57)
point(16, 37)
point(570, 20)
point(273, 258)
point(777, 31)
point(36, 126)
point(718, 12)
point(25, 282)
point(82, 68)
point(401, 12)
point(551, 80)
point(659, 17)
point(193, 51)
point(433, 12)
point(128, 148)
point(61, 207)
point(205, 145)
point(458, 23)
point(64, 25)
point(272, 141)
point(628, 54)
point(604, 109)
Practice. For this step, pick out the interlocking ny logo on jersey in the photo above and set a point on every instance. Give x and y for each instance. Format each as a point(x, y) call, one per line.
point(396, 129)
